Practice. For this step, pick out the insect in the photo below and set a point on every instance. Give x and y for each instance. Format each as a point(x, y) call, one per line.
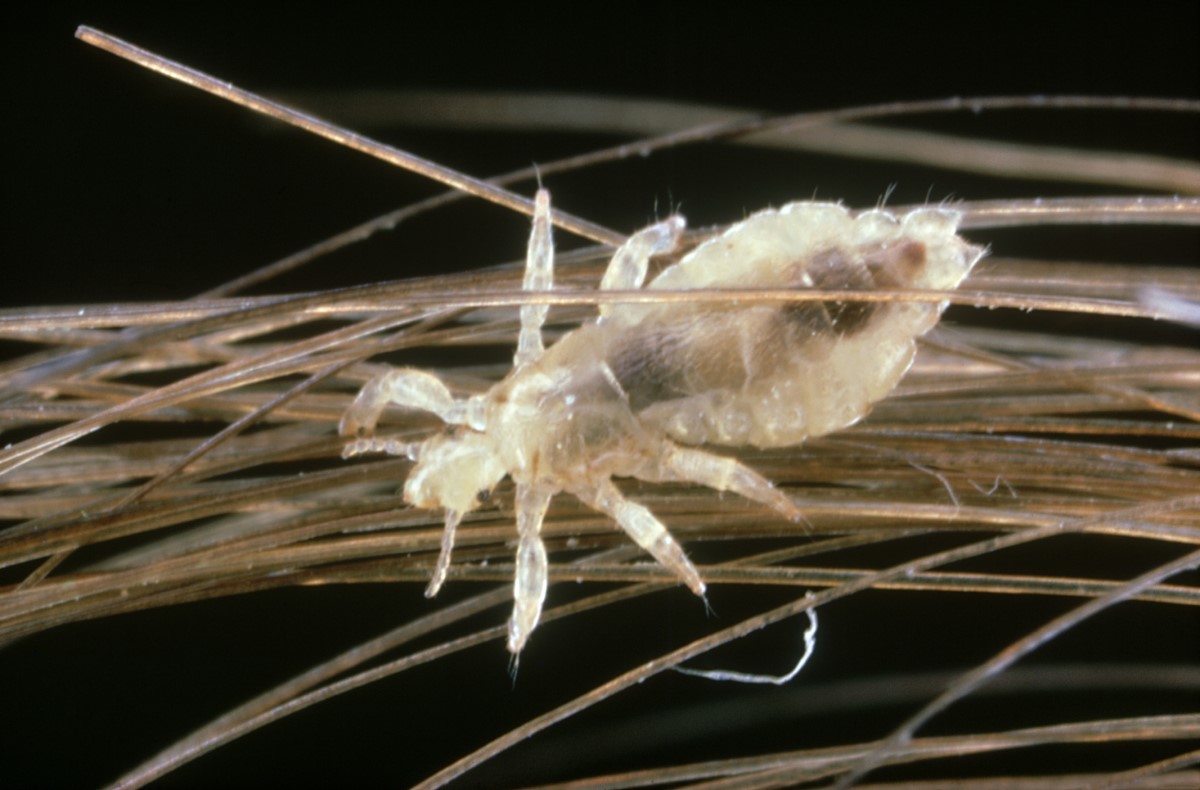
point(974, 437)
point(630, 394)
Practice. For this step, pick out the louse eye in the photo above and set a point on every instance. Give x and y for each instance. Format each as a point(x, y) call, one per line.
point(483, 496)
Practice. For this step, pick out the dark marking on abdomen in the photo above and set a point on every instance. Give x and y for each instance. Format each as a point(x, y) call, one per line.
point(650, 368)
point(832, 270)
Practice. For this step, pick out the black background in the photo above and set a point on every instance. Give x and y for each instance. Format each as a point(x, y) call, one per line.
point(125, 185)
point(121, 185)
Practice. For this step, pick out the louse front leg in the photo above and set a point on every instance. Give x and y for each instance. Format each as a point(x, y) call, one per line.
point(685, 464)
point(646, 530)
point(414, 389)
point(627, 269)
point(539, 276)
point(443, 563)
point(530, 580)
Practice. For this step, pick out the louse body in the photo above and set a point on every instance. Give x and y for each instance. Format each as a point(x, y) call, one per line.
point(632, 393)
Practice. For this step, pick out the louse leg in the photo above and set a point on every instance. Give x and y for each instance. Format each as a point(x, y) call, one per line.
point(443, 563)
point(627, 269)
point(529, 583)
point(725, 474)
point(414, 389)
point(539, 276)
point(646, 530)
point(389, 445)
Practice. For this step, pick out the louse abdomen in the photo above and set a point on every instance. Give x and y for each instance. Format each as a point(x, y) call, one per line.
point(773, 374)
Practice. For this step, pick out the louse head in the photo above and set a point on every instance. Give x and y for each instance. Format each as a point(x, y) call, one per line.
point(452, 470)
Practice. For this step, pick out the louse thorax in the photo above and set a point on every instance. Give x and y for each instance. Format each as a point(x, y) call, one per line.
point(773, 374)
point(563, 418)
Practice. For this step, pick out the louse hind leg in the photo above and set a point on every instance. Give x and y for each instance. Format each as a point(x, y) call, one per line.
point(530, 580)
point(646, 530)
point(414, 389)
point(539, 276)
point(627, 269)
point(724, 474)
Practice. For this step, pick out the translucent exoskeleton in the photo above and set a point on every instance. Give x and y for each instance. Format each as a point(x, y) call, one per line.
point(630, 394)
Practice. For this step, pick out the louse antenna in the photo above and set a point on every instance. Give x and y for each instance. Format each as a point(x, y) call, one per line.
point(339, 134)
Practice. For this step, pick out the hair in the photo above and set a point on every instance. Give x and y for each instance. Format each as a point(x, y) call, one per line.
point(998, 549)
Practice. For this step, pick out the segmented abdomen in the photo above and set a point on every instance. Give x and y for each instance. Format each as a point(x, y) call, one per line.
point(773, 373)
